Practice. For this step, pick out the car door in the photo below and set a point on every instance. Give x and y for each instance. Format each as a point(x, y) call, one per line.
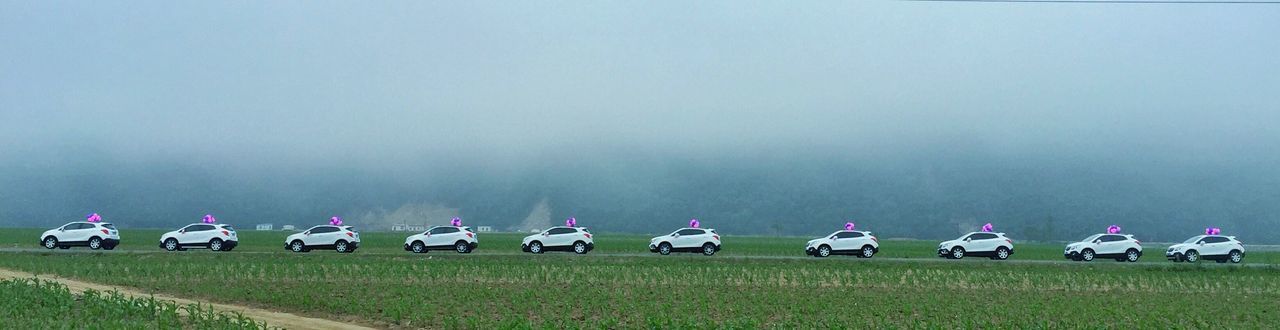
point(320, 235)
point(984, 242)
point(845, 241)
point(1215, 246)
point(447, 236)
point(433, 238)
point(73, 232)
point(193, 234)
point(689, 238)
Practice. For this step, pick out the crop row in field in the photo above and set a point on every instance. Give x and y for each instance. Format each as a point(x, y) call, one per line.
point(693, 291)
point(36, 304)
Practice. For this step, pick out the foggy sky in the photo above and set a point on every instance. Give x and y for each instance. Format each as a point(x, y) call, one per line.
point(292, 86)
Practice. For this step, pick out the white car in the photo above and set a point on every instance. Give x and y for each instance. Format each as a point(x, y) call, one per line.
point(1213, 247)
point(343, 239)
point(857, 243)
point(95, 235)
point(706, 241)
point(1110, 246)
point(559, 238)
point(460, 239)
point(215, 237)
point(979, 244)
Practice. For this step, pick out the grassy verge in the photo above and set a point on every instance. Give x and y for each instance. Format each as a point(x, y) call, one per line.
point(35, 304)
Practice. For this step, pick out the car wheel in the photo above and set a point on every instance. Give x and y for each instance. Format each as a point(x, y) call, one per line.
point(418, 247)
point(341, 247)
point(868, 251)
point(297, 246)
point(664, 249)
point(1086, 255)
point(1131, 256)
point(1236, 256)
point(50, 242)
point(535, 247)
point(95, 243)
point(171, 245)
point(957, 253)
point(215, 244)
point(461, 247)
point(1191, 256)
point(708, 249)
point(1002, 253)
point(580, 248)
point(824, 251)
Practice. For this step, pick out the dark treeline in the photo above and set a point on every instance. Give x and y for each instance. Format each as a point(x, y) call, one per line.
point(932, 196)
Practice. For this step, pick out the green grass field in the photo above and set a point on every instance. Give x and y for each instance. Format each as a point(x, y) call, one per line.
point(621, 285)
point(59, 308)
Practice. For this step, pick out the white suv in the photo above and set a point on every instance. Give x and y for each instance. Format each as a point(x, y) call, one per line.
point(95, 235)
point(559, 238)
point(1213, 247)
point(979, 244)
point(1112, 246)
point(460, 239)
point(706, 241)
point(343, 239)
point(200, 235)
point(857, 243)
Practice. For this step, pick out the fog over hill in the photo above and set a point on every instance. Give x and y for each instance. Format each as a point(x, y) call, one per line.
point(915, 120)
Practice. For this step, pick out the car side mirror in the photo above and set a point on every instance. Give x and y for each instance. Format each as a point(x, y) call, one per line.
point(306, 233)
point(675, 235)
point(184, 231)
point(968, 239)
point(1096, 241)
point(1200, 243)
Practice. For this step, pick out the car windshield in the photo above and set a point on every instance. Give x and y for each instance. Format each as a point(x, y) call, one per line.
point(1091, 238)
point(1192, 240)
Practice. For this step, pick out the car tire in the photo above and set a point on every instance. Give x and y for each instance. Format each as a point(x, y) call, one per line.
point(579, 247)
point(1002, 253)
point(535, 247)
point(664, 249)
point(708, 249)
point(64, 247)
point(1131, 255)
point(95, 243)
point(823, 251)
point(1191, 256)
point(957, 253)
point(418, 247)
point(171, 245)
point(461, 247)
point(341, 246)
point(297, 246)
point(108, 247)
point(50, 242)
point(868, 251)
point(1087, 255)
point(215, 245)
point(1235, 256)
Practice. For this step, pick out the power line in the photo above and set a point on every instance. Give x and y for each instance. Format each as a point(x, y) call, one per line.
point(1190, 2)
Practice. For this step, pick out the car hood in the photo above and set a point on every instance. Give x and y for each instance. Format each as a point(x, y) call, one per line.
point(1180, 246)
point(657, 238)
point(1075, 245)
point(531, 237)
point(814, 241)
point(951, 242)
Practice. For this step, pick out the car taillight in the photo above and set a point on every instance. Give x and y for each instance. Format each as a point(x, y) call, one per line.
point(1138, 242)
point(470, 235)
point(1008, 240)
point(588, 235)
point(873, 238)
point(104, 232)
point(349, 234)
point(717, 237)
point(226, 233)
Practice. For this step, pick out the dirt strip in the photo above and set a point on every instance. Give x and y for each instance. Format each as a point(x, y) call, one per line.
point(274, 319)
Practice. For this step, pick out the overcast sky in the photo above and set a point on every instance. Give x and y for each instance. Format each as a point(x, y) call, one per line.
point(301, 82)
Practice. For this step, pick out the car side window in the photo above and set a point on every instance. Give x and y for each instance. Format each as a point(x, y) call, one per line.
point(559, 231)
point(448, 230)
point(1215, 239)
point(980, 236)
point(322, 230)
point(83, 226)
point(199, 228)
point(687, 232)
point(843, 234)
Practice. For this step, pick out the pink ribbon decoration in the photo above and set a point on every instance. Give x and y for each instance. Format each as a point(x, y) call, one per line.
point(848, 226)
point(987, 227)
point(208, 218)
point(456, 222)
point(693, 223)
point(1212, 231)
point(571, 222)
point(336, 221)
point(1114, 229)
point(93, 218)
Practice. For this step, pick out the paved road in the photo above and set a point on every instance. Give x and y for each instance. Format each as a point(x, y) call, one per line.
point(481, 254)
